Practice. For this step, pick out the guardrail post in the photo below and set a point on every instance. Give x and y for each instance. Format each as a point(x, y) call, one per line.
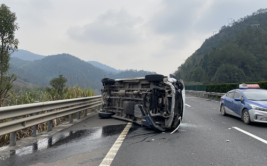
point(78, 115)
point(85, 113)
point(71, 118)
point(35, 127)
point(13, 137)
point(49, 124)
point(50, 141)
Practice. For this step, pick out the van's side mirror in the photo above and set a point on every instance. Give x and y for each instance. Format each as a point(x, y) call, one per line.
point(172, 75)
point(237, 99)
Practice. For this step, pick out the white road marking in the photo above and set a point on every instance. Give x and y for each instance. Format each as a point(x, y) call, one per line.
point(252, 135)
point(116, 146)
point(187, 105)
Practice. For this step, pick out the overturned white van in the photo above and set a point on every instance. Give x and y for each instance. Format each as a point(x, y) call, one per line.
point(154, 101)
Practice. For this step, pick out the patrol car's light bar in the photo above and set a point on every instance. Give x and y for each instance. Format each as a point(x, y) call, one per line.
point(246, 86)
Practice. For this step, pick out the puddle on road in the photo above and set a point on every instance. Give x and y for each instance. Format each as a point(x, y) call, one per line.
point(66, 137)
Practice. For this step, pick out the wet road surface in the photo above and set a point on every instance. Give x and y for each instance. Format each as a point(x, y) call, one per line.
point(204, 138)
point(70, 146)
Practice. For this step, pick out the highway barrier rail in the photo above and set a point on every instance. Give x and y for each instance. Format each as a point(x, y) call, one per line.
point(43, 112)
point(196, 87)
point(203, 93)
point(222, 88)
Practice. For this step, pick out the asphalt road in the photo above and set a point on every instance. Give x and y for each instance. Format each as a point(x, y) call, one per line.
point(204, 138)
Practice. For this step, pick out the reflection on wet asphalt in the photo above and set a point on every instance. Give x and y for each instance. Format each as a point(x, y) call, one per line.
point(70, 141)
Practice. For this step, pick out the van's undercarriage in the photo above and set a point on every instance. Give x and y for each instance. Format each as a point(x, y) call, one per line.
point(153, 101)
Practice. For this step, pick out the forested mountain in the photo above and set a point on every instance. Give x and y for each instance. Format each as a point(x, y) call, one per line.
point(40, 72)
point(104, 67)
point(237, 53)
point(26, 55)
point(17, 62)
point(29, 56)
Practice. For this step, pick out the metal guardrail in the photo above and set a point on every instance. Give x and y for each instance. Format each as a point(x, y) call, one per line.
point(43, 112)
point(196, 87)
point(204, 94)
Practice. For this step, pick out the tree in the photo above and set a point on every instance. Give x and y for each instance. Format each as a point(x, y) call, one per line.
point(229, 74)
point(8, 45)
point(197, 74)
point(58, 86)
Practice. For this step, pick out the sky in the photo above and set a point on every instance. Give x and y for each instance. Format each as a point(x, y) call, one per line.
point(151, 35)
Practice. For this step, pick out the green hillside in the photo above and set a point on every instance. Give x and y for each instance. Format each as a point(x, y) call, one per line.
point(237, 53)
point(26, 55)
point(40, 72)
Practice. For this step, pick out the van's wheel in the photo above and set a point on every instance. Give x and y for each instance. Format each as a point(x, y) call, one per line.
point(105, 114)
point(108, 81)
point(246, 117)
point(223, 110)
point(154, 77)
point(181, 86)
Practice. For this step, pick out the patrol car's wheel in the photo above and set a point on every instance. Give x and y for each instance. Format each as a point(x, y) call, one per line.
point(223, 110)
point(246, 117)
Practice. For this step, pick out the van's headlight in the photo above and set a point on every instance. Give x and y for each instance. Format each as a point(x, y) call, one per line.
point(257, 107)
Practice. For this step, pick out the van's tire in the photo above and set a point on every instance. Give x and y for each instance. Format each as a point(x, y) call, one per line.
point(105, 114)
point(154, 77)
point(111, 81)
point(181, 86)
point(104, 80)
point(108, 81)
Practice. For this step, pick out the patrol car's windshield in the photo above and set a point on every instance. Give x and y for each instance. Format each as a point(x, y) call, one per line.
point(256, 95)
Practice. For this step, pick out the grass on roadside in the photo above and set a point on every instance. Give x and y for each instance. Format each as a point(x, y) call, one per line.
point(31, 97)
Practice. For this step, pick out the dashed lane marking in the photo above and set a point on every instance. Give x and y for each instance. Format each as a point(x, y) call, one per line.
point(252, 135)
point(115, 147)
point(187, 105)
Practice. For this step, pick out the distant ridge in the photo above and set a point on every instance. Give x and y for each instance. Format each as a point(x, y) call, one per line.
point(104, 67)
point(29, 56)
point(26, 55)
point(40, 72)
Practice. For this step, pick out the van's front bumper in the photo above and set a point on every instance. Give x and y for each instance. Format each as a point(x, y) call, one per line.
point(258, 116)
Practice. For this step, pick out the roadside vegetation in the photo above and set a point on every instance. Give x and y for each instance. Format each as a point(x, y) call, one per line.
point(8, 44)
point(57, 91)
point(238, 53)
